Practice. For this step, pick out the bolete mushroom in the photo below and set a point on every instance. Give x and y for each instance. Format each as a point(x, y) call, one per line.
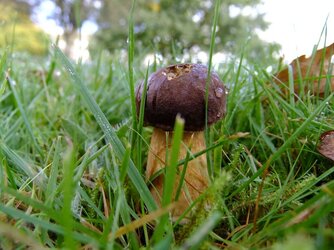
point(181, 90)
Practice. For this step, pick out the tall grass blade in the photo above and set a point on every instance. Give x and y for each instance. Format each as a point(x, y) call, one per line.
point(125, 214)
point(3, 61)
point(131, 49)
point(141, 119)
point(23, 165)
point(195, 240)
point(90, 202)
point(285, 145)
point(68, 193)
point(291, 86)
point(52, 180)
point(24, 114)
point(18, 214)
point(10, 174)
point(169, 179)
point(208, 81)
point(110, 135)
point(52, 214)
point(171, 169)
point(125, 165)
point(182, 175)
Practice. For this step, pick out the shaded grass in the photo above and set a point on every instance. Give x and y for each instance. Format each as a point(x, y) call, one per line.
point(109, 132)
point(281, 138)
point(72, 174)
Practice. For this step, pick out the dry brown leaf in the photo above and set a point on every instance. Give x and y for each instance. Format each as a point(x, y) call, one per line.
point(310, 72)
point(326, 145)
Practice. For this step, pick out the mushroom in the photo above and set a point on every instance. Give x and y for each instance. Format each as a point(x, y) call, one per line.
point(181, 90)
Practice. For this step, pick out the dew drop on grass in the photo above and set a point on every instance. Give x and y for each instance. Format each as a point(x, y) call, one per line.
point(105, 126)
point(70, 71)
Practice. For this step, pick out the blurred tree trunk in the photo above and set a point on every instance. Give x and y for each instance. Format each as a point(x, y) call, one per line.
point(71, 16)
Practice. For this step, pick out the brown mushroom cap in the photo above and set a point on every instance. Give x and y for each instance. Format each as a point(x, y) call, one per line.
point(180, 89)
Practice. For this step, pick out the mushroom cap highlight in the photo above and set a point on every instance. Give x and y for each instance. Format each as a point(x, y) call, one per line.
point(180, 89)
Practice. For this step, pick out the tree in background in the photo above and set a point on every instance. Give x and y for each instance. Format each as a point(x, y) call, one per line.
point(167, 26)
point(18, 32)
point(67, 14)
point(70, 15)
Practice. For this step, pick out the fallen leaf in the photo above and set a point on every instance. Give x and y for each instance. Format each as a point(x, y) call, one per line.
point(310, 72)
point(326, 145)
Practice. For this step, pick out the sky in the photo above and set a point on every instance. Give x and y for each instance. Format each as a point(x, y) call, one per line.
point(295, 24)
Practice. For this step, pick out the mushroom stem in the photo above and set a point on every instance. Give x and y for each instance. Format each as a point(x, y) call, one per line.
point(196, 178)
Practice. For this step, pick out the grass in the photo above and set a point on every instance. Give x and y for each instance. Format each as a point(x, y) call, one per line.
point(72, 162)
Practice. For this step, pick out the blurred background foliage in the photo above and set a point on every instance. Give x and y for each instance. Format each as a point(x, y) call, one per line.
point(18, 32)
point(183, 27)
point(162, 27)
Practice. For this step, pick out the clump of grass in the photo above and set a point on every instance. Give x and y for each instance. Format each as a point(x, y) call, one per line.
point(72, 159)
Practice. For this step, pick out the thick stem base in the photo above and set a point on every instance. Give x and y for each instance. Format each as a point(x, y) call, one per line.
point(196, 179)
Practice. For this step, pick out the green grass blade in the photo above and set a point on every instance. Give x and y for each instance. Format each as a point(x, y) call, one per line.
point(183, 174)
point(131, 49)
point(285, 145)
point(113, 221)
point(165, 243)
point(110, 135)
point(51, 187)
point(169, 178)
point(124, 166)
point(291, 86)
point(141, 119)
point(88, 159)
point(90, 202)
point(45, 210)
point(24, 114)
point(3, 61)
point(213, 33)
point(10, 174)
point(195, 240)
point(208, 82)
point(68, 193)
point(171, 169)
point(299, 130)
point(23, 165)
point(15, 213)
point(125, 215)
